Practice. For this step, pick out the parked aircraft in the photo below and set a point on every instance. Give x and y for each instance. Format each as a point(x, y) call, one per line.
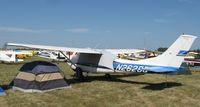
point(9, 56)
point(192, 62)
point(54, 55)
point(104, 61)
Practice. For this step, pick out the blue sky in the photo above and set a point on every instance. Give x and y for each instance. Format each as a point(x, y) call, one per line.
point(99, 23)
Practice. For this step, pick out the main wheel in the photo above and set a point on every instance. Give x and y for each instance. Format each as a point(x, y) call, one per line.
point(79, 74)
point(108, 76)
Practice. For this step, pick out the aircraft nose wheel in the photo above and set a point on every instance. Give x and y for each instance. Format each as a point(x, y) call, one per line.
point(79, 74)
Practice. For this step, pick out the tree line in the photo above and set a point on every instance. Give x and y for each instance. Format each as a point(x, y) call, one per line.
point(163, 49)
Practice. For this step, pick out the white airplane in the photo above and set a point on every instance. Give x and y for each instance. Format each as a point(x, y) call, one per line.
point(54, 55)
point(105, 61)
point(10, 56)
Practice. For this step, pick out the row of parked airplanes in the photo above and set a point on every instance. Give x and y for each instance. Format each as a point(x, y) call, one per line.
point(107, 60)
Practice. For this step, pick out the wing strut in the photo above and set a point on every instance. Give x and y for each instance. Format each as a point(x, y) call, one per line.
point(68, 59)
point(79, 73)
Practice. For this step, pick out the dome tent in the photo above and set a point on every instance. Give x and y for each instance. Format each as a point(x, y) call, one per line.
point(39, 76)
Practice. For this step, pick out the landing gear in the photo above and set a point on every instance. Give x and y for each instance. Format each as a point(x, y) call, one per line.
point(79, 74)
point(108, 76)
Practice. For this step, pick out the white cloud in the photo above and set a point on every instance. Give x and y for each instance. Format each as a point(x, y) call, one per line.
point(16, 29)
point(78, 30)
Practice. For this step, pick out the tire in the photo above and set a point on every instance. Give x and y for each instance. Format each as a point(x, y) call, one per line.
point(79, 74)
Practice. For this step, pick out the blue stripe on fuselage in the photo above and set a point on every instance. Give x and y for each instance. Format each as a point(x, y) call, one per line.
point(142, 68)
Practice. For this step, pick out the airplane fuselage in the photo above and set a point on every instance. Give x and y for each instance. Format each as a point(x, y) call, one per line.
point(116, 65)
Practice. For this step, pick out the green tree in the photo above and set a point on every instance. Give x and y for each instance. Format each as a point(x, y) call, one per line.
point(162, 49)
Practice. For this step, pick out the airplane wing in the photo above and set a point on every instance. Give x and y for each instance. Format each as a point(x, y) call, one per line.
point(80, 50)
point(55, 48)
point(122, 51)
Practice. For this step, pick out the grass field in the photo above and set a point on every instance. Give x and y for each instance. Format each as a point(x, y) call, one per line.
point(147, 90)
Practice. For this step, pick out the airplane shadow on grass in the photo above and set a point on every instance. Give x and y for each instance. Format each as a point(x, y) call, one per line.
point(162, 86)
point(116, 78)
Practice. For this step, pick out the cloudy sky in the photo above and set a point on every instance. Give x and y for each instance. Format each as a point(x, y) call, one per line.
point(99, 23)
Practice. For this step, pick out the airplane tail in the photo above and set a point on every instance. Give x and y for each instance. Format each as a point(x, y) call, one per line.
point(174, 55)
point(8, 57)
point(13, 57)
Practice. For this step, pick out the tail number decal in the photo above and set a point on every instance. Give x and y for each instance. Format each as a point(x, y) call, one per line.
point(130, 68)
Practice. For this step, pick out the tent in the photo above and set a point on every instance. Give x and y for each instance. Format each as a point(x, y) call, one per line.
point(39, 76)
point(2, 92)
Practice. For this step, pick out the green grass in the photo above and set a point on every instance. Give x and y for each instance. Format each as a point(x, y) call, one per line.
point(147, 90)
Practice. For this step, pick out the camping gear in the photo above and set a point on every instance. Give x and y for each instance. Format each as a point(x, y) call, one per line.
point(39, 76)
point(2, 92)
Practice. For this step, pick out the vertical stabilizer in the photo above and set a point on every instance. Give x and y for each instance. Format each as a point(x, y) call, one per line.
point(175, 54)
point(169, 61)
